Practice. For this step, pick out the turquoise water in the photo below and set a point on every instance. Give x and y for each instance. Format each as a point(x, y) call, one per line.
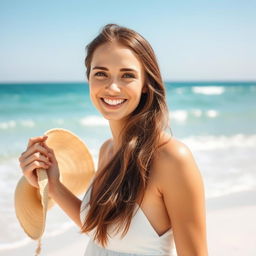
point(217, 121)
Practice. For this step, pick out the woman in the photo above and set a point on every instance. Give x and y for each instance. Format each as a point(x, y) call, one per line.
point(147, 197)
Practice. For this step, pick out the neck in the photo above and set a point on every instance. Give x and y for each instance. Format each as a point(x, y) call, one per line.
point(116, 128)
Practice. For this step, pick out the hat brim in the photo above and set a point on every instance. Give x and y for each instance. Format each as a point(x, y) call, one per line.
point(76, 168)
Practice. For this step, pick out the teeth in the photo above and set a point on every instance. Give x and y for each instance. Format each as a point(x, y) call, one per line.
point(113, 102)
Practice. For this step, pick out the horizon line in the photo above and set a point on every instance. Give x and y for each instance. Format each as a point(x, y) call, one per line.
point(165, 81)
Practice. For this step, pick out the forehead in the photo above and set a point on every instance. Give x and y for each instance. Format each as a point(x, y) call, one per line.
point(115, 55)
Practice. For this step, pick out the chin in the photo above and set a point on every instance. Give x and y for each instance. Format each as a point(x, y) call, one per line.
point(111, 117)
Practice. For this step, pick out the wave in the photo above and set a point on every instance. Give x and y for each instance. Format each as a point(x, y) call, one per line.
point(28, 123)
point(86, 121)
point(178, 115)
point(182, 115)
point(8, 124)
point(12, 124)
point(212, 113)
point(93, 121)
point(208, 90)
point(211, 142)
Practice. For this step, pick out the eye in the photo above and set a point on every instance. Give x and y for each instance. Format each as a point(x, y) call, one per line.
point(129, 75)
point(100, 74)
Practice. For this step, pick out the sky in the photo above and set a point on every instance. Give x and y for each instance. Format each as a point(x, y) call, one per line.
point(44, 41)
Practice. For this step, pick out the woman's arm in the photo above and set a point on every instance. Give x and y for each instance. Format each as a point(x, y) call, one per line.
point(68, 202)
point(183, 192)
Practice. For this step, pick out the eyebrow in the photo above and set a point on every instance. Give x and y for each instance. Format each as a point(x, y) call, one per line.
point(121, 69)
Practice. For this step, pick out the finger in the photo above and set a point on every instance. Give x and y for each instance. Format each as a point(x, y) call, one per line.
point(34, 140)
point(37, 156)
point(34, 165)
point(21, 155)
point(50, 150)
point(30, 174)
point(35, 148)
point(46, 146)
point(52, 158)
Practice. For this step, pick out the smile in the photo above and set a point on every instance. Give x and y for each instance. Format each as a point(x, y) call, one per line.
point(113, 104)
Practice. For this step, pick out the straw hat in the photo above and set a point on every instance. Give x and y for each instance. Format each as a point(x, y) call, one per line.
point(76, 170)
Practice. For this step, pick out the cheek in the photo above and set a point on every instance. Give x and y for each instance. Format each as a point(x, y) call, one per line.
point(93, 91)
point(94, 87)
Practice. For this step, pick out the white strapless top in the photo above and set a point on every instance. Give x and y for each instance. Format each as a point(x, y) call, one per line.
point(141, 238)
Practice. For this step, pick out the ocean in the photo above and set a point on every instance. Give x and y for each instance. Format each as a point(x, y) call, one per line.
point(216, 120)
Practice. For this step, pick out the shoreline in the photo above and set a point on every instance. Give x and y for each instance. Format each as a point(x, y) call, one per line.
point(231, 229)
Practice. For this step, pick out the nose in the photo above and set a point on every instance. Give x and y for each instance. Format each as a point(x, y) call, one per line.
point(112, 86)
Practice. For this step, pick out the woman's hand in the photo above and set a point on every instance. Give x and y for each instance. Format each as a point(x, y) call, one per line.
point(39, 155)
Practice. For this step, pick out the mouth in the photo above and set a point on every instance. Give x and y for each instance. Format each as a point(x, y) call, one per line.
point(113, 104)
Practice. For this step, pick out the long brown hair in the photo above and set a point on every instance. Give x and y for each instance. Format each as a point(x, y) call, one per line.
point(124, 178)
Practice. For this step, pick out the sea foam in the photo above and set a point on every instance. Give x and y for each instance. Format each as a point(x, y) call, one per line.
point(209, 90)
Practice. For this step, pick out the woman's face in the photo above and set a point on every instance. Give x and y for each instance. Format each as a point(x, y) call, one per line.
point(116, 81)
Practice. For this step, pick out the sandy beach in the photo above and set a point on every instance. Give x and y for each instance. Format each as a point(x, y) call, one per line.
point(231, 225)
point(231, 230)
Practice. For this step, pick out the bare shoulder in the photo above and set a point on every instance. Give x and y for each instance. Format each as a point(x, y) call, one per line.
point(173, 149)
point(105, 145)
point(181, 185)
point(174, 158)
point(177, 169)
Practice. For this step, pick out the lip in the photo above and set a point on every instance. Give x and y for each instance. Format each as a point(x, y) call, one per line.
point(113, 98)
point(112, 106)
